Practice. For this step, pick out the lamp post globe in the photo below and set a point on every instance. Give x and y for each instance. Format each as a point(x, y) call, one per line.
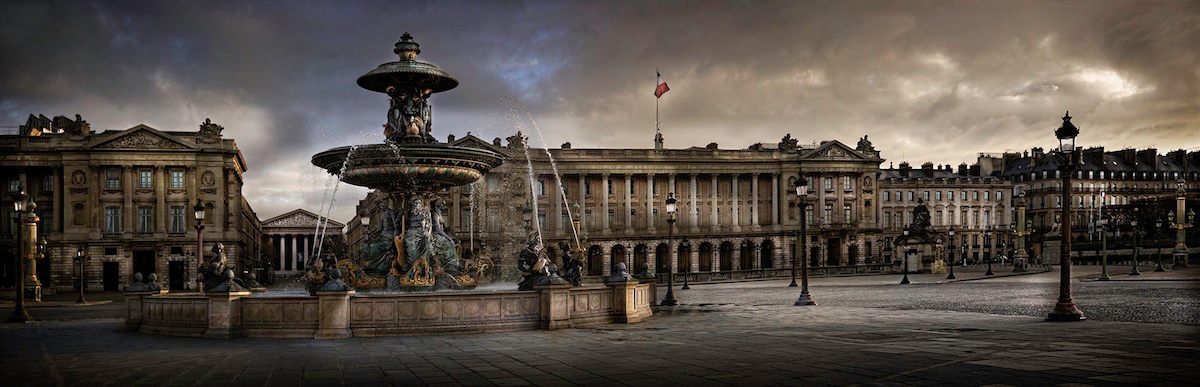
point(669, 299)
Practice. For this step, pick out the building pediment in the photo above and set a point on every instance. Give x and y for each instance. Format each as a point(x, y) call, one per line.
point(300, 218)
point(470, 141)
point(833, 150)
point(141, 137)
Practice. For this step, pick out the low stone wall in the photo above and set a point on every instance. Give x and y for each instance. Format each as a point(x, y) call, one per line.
point(344, 314)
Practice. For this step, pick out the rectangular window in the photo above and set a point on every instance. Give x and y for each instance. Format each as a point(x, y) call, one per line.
point(145, 220)
point(112, 219)
point(964, 195)
point(925, 196)
point(899, 196)
point(910, 196)
point(808, 214)
point(177, 220)
point(47, 183)
point(846, 214)
point(112, 178)
point(14, 185)
point(986, 197)
point(829, 184)
point(145, 179)
point(974, 195)
point(542, 187)
point(177, 179)
point(987, 218)
point(887, 197)
point(587, 186)
point(828, 214)
point(887, 219)
point(542, 219)
point(999, 196)
point(937, 218)
point(938, 195)
point(610, 185)
point(847, 183)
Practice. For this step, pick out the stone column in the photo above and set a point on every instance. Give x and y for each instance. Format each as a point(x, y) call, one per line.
point(694, 262)
point(650, 227)
point(224, 314)
point(295, 250)
point(606, 259)
point(757, 264)
point(127, 207)
point(736, 211)
point(754, 201)
point(160, 193)
point(694, 208)
point(775, 200)
point(604, 187)
point(554, 310)
point(558, 209)
point(737, 256)
point(334, 315)
point(628, 204)
point(716, 224)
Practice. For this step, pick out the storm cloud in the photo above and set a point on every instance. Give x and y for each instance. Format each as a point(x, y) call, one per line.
point(928, 81)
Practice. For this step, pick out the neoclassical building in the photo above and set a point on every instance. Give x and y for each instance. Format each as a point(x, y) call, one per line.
point(737, 212)
point(127, 197)
point(292, 237)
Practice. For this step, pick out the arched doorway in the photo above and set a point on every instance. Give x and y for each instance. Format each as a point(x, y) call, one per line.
point(618, 256)
point(595, 260)
point(706, 255)
point(684, 257)
point(746, 261)
point(660, 258)
point(726, 256)
point(766, 255)
point(639, 259)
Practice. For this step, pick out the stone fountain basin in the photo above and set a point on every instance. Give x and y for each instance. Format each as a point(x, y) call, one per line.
point(395, 167)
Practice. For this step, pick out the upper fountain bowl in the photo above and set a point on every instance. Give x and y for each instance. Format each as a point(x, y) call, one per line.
point(408, 167)
point(407, 71)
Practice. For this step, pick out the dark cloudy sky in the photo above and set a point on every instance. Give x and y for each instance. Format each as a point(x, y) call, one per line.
point(927, 80)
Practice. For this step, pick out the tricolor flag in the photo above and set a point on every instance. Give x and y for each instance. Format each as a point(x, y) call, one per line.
point(662, 86)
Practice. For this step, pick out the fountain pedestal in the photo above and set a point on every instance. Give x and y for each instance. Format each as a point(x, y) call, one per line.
point(335, 315)
point(224, 314)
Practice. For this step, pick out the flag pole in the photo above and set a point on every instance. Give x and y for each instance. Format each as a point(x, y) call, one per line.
point(656, 98)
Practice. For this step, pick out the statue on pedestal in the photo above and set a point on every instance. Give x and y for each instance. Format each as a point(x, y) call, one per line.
point(572, 269)
point(218, 276)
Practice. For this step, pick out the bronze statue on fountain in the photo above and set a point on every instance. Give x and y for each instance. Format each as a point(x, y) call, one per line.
point(414, 251)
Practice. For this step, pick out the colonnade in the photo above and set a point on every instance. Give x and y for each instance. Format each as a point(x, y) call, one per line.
point(291, 251)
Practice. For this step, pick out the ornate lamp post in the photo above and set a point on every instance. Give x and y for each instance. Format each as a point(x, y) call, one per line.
point(905, 280)
point(81, 258)
point(1180, 254)
point(795, 236)
point(20, 201)
point(1137, 240)
point(987, 240)
point(950, 252)
point(1065, 309)
point(198, 212)
point(669, 299)
point(1103, 222)
point(1022, 227)
point(1158, 225)
point(805, 298)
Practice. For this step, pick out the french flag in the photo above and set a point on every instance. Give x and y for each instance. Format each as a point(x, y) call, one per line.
point(662, 86)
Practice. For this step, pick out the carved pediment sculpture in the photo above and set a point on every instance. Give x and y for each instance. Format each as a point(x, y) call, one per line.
point(210, 132)
point(143, 140)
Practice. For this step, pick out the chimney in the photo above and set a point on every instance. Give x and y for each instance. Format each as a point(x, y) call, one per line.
point(905, 169)
point(1148, 156)
point(1128, 155)
point(962, 169)
point(927, 168)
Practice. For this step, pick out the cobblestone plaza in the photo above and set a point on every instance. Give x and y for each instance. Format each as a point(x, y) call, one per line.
point(867, 330)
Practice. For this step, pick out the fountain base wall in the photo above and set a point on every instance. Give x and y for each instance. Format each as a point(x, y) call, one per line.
point(333, 315)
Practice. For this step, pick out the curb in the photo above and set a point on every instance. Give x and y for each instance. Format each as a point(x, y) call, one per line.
point(57, 304)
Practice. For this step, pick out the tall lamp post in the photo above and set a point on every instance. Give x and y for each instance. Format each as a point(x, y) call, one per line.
point(1137, 240)
point(1021, 227)
point(1158, 225)
point(795, 237)
point(1180, 254)
point(669, 299)
point(687, 269)
point(805, 299)
point(950, 252)
point(1103, 246)
point(987, 240)
point(19, 314)
point(198, 212)
point(80, 257)
point(1065, 309)
point(905, 280)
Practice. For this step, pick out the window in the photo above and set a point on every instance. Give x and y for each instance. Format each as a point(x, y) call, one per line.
point(177, 220)
point(829, 184)
point(846, 218)
point(828, 214)
point(887, 197)
point(987, 218)
point(910, 196)
point(47, 183)
point(112, 219)
point(145, 179)
point(145, 220)
point(77, 215)
point(964, 195)
point(808, 213)
point(14, 185)
point(587, 186)
point(887, 219)
point(112, 178)
point(938, 195)
point(13, 218)
point(925, 196)
point(612, 213)
point(999, 196)
point(177, 179)
point(542, 187)
point(974, 195)
point(541, 218)
point(847, 183)
point(610, 185)
point(811, 182)
point(899, 196)
point(986, 197)
point(176, 250)
point(110, 251)
point(937, 218)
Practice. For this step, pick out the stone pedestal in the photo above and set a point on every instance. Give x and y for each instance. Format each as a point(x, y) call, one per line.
point(938, 267)
point(553, 309)
point(334, 308)
point(224, 314)
point(133, 308)
point(631, 302)
point(651, 289)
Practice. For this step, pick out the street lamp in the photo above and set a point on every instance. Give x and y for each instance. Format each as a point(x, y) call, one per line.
point(1180, 254)
point(687, 268)
point(905, 280)
point(19, 314)
point(80, 258)
point(802, 194)
point(1065, 309)
point(198, 212)
point(670, 299)
point(1103, 246)
point(950, 252)
point(1137, 243)
point(987, 240)
point(795, 236)
point(1158, 225)
point(964, 251)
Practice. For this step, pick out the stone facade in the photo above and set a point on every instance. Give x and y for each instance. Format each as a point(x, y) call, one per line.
point(291, 238)
point(736, 208)
point(126, 196)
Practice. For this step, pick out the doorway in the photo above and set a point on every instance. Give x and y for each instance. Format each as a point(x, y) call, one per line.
point(143, 262)
point(175, 276)
point(833, 247)
point(112, 276)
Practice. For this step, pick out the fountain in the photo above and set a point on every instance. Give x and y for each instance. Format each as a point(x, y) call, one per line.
point(410, 166)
